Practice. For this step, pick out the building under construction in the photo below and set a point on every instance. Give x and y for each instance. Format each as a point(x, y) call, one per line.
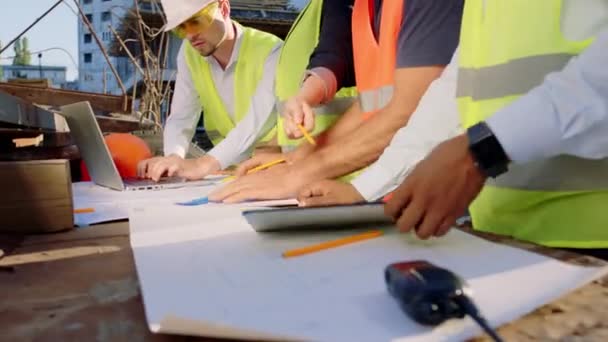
point(117, 41)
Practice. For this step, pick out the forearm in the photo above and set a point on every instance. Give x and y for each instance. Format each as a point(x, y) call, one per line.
point(177, 134)
point(184, 114)
point(566, 114)
point(359, 148)
point(313, 90)
point(334, 48)
point(238, 144)
point(258, 121)
point(346, 124)
point(364, 144)
point(434, 120)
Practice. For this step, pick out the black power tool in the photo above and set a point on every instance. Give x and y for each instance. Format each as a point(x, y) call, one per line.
point(431, 295)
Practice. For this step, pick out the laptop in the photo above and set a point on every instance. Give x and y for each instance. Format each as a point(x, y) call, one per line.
point(87, 135)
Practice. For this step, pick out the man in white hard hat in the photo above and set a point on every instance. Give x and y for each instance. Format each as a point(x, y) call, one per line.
point(227, 71)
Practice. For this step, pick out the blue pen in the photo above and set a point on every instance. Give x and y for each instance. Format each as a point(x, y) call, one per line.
point(196, 201)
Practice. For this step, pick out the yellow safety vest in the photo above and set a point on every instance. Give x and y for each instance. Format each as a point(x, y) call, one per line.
point(255, 48)
point(506, 49)
point(299, 45)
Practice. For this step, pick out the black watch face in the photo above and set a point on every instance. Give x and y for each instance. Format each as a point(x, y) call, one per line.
point(479, 132)
point(487, 151)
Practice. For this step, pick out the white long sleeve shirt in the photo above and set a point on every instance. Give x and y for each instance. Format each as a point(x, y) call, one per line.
point(566, 114)
point(434, 120)
point(186, 107)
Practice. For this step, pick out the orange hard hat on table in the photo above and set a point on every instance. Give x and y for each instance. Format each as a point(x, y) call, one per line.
point(127, 151)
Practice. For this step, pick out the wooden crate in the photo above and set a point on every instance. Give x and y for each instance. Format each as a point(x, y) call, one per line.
point(36, 196)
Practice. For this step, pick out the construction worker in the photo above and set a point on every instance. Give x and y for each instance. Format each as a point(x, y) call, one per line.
point(396, 57)
point(328, 82)
point(533, 160)
point(325, 86)
point(227, 71)
point(427, 127)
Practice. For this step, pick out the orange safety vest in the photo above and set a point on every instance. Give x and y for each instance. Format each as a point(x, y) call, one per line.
point(375, 60)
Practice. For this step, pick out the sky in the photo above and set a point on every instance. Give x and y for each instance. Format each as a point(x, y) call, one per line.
point(59, 29)
point(299, 3)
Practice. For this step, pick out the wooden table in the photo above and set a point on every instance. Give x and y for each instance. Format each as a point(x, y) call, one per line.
point(82, 286)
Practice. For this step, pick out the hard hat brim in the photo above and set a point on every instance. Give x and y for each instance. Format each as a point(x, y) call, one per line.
point(175, 21)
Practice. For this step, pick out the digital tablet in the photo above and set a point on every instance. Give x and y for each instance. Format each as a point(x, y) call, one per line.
point(263, 220)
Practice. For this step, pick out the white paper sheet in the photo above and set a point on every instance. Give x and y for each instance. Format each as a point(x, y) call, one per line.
point(206, 272)
point(111, 205)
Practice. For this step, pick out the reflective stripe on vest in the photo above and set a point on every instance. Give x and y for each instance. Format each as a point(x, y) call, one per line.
point(519, 77)
point(372, 101)
point(255, 48)
point(337, 105)
point(295, 54)
point(375, 59)
point(506, 49)
point(516, 77)
point(563, 173)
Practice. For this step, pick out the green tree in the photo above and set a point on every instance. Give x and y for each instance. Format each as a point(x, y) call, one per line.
point(26, 55)
point(17, 49)
point(22, 52)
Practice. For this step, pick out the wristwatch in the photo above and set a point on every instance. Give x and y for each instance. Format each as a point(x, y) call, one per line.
point(486, 150)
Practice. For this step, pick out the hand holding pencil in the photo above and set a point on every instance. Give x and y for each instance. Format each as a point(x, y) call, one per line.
point(260, 167)
point(260, 161)
point(299, 119)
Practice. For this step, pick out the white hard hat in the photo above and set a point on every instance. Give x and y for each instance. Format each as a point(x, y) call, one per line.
point(178, 11)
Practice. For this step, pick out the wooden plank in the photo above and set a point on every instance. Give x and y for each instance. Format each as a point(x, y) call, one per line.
point(40, 153)
point(60, 97)
point(37, 196)
point(260, 4)
point(16, 112)
point(122, 124)
point(31, 82)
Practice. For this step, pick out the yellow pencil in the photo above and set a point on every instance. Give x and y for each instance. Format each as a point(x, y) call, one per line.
point(267, 165)
point(84, 210)
point(307, 135)
point(258, 168)
point(332, 244)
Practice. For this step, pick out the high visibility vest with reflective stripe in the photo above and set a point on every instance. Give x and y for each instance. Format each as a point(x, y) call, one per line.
point(375, 59)
point(255, 48)
point(506, 49)
point(299, 45)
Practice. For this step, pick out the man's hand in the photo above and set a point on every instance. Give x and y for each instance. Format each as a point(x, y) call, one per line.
point(297, 112)
point(146, 168)
point(278, 182)
point(174, 165)
point(438, 190)
point(257, 160)
point(328, 192)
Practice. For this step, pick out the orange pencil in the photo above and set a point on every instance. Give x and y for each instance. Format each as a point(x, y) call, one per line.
point(332, 244)
point(307, 135)
point(258, 168)
point(267, 165)
point(84, 210)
